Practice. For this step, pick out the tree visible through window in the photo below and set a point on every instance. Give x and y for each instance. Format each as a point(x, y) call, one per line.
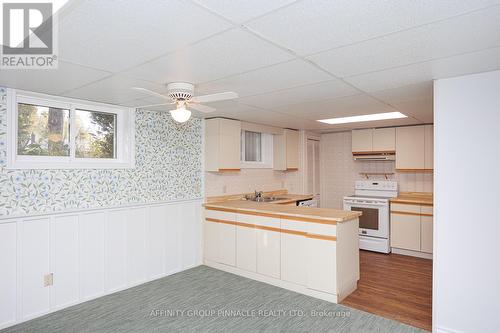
point(95, 134)
point(42, 130)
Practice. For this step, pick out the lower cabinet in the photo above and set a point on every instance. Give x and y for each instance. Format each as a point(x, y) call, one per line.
point(227, 244)
point(302, 253)
point(293, 253)
point(268, 253)
point(405, 231)
point(220, 237)
point(426, 234)
point(411, 227)
point(246, 248)
point(321, 265)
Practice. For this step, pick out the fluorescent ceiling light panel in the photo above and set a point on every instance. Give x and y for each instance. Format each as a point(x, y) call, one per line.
point(366, 117)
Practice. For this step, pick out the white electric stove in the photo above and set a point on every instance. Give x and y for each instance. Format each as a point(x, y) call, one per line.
point(372, 199)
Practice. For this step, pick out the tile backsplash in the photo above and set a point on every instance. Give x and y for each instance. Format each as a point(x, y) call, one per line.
point(339, 171)
point(248, 180)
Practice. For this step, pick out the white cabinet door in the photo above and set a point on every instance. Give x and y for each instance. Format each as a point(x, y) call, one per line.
point(362, 140)
point(426, 234)
point(227, 244)
point(292, 149)
point(405, 231)
point(384, 139)
point(321, 265)
point(410, 147)
point(268, 253)
point(294, 258)
point(211, 241)
point(246, 249)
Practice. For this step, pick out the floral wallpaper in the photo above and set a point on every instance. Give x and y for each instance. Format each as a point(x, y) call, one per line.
point(168, 167)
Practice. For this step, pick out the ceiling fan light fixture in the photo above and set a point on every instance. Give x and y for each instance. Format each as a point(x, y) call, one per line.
point(181, 114)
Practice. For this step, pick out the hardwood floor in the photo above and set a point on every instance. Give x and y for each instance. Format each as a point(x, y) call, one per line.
point(396, 287)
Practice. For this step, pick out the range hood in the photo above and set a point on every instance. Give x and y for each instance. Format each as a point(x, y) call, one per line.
point(374, 156)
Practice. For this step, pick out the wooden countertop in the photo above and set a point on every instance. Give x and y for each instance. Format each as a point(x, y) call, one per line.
point(283, 211)
point(415, 198)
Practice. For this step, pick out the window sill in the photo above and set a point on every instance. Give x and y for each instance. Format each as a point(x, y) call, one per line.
point(61, 166)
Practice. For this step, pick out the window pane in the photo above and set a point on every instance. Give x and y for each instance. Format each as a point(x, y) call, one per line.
point(253, 149)
point(42, 130)
point(95, 134)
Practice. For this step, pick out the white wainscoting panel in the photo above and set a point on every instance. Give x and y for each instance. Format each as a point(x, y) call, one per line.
point(173, 237)
point(92, 253)
point(33, 264)
point(92, 227)
point(116, 250)
point(64, 260)
point(8, 267)
point(157, 229)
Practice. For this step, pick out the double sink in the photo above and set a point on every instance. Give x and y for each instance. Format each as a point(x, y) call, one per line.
point(264, 199)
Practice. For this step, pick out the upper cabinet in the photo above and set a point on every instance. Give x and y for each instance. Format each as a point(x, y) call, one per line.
point(414, 148)
point(380, 140)
point(286, 150)
point(222, 145)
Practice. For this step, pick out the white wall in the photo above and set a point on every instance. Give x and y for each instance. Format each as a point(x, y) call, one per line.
point(466, 223)
point(92, 253)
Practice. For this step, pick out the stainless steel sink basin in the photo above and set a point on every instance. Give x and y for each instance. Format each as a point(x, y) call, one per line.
point(265, 199)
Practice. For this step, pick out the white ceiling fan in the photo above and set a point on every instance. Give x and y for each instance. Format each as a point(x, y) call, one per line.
point(182, 94)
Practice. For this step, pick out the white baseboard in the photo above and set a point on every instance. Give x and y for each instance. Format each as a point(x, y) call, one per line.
point(411, 253)
point(446, 330)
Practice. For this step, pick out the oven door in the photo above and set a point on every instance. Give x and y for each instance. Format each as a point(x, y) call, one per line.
point(375, 219)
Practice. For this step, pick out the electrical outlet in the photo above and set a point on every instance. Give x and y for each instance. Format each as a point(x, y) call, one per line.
point(48, 280)
point(224, 189)
point(282, 184)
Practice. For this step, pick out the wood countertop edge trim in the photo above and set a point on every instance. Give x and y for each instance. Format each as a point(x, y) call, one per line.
point(411, 202)
point(297, 217)
point(281, 230)
point(410, 213)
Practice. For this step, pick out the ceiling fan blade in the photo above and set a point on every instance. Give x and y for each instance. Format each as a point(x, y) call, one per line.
point(151, 105)
point(201, 108)
point(215, 97)
point(152, 93)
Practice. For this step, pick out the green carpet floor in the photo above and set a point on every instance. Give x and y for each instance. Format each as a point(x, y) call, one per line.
point(203, 299)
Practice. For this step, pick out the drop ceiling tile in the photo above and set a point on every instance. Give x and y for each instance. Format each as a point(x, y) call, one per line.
point(337, 107)
point(421, 109)
point(51, 81)
point(115, 35)
point(469, 63)
point(314, 92)
point(277, 77)
point(232, 52)
point(407, 93)
point(311, 26)
point(466, 33)
point(240, 11)
point(116, 89)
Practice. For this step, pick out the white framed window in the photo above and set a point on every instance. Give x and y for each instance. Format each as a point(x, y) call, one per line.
point(49, 132)
point(256, 150)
